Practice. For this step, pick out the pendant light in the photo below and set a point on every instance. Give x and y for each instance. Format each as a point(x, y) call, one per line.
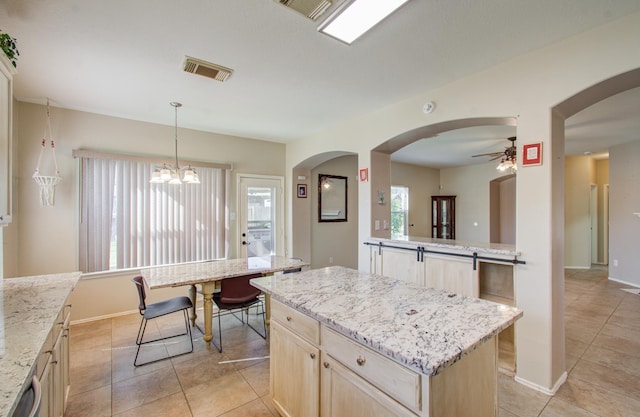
point(171, 174)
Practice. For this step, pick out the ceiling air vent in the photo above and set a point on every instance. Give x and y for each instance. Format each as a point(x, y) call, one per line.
point(310, 8)
point(206, 69)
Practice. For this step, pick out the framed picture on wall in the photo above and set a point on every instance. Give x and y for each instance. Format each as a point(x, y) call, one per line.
point(532, 154)
point(302, 190)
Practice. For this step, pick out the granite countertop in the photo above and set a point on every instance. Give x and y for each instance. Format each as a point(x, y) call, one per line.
point(422, 328)
point(198, 272)
point(450, 244)
point(30, 306)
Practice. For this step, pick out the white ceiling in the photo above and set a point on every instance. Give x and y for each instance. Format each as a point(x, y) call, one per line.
point(123, 58)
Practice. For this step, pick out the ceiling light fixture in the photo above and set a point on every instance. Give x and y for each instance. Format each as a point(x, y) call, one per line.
point(507, 163)
point(171, 174)
point(355, 17)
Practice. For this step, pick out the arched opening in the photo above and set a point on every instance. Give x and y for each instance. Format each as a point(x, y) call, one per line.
point(438, 160)
point(325, 243)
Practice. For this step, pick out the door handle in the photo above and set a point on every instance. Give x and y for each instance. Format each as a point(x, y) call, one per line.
point(244, 242)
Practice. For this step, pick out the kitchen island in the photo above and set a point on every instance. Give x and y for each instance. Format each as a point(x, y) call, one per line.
point(345, 342)
point(34, 320)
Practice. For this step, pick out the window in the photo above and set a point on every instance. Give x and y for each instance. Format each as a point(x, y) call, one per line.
point(399, 211)
point(126, 222)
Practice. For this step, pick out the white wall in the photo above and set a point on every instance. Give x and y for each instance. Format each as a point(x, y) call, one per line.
point(624, 200)
point(527, 88)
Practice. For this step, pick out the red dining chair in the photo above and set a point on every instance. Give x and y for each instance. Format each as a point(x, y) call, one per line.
point(236, 296)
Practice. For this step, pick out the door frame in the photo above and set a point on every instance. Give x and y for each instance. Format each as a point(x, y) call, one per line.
point(281, 244)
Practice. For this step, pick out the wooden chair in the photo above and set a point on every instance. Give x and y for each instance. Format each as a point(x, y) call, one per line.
point(159, 309)
point(237, 295)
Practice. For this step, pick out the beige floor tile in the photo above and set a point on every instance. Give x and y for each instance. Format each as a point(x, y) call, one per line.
point(258, 377)
point(174, 405)
point(255, 408)
point(86, 337)
point(144, 389)
point(266, 400)
point(504, 413)
point(219, 395)
point(251, 350)
point(597, 400)
point(202, 369)
point(619, 339)
point(618, 381)
point(95, 403)
point(518, 399)
point(90, 369)
point(122, 361)
point(559, 408)
point(614, 360)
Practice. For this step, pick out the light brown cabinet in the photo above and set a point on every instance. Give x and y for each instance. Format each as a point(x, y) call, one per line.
point(6, 103)
point(52, 368)
point(329, 375)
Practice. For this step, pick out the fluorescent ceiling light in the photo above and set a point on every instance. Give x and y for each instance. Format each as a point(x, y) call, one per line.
point(357, 17)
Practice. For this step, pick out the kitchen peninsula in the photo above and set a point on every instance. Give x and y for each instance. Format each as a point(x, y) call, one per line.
point(34, 320)
point(345, 342)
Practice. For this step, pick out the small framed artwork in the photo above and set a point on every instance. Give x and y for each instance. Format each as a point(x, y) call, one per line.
point(364, 175)
point(302, 190)
point(532, 154)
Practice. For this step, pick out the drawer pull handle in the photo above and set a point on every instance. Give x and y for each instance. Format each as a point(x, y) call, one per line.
point(326, 365)
point(361, 361)
point(313, 355)
point(288, 318)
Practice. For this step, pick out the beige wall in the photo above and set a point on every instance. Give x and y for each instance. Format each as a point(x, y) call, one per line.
point(422, 182)
point(470, 185)
point(602, 180)
point(624, 201)
point(45, 240)
point(579, 174)
point(528, 87)
point(335, 243)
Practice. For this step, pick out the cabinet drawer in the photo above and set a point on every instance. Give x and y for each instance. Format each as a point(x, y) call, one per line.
point(392, 378)
point(296, 321)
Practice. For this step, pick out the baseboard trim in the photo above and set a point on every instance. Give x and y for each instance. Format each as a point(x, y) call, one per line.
point(106, 316)
point(633, 284)
point(542, 389)
point(577, 267)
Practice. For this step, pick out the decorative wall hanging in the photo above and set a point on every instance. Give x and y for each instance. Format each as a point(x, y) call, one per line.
point(47, 183)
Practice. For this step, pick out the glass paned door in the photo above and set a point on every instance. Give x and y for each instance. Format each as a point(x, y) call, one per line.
point(260, 217)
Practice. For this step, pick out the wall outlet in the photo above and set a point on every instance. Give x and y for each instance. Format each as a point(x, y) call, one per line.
point(377, 225)
point(330, 259)
point(386, 225)
point(615, 262)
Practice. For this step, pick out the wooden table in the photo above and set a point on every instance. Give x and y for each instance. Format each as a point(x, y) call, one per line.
point(207, 274)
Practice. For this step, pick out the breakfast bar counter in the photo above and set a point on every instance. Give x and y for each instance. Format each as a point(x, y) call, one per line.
point(434, 352)
point(34, 319)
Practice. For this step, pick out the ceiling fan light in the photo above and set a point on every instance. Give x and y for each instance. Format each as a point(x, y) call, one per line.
point(195, 179)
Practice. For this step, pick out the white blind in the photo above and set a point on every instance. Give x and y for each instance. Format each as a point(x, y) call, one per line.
point(127, 222)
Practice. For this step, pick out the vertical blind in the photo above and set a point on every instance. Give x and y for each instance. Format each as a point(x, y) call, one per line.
point(126, 222)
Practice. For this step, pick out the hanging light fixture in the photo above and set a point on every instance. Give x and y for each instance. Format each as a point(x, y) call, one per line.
point(171, 174)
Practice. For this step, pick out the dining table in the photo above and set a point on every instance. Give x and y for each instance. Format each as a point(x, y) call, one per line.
point(208, 275)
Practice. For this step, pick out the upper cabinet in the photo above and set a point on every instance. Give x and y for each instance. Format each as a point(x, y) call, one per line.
point(6, 101)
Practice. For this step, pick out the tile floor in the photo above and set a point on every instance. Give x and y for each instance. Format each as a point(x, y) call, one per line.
point(602, 351)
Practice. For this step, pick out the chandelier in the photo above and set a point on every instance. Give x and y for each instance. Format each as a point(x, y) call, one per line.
point(171, 174)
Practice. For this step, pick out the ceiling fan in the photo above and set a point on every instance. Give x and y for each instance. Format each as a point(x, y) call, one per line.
point(508, 154)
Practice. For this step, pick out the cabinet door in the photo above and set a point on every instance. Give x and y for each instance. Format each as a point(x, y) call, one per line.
point(6, 100)
point(46, 384)
point(450, 274)
point(344, 393)
point(58, 376)
point(295, 374)
point(402, 265)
